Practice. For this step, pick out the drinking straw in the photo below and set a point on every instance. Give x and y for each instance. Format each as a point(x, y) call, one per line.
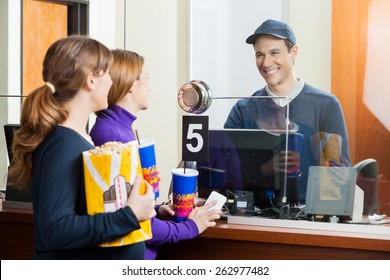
point(136, 135)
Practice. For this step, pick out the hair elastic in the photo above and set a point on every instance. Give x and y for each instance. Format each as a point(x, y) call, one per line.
point(52, 88)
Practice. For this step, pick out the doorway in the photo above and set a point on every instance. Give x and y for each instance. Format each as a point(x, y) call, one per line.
point(44, 22)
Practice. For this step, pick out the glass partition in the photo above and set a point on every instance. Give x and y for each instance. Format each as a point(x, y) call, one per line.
point(259, 154)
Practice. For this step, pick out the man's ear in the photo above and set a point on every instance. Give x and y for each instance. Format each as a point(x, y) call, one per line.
point(90, 83)
point(294, 52)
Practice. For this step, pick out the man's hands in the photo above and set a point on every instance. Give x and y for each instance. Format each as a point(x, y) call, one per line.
point(280, 162)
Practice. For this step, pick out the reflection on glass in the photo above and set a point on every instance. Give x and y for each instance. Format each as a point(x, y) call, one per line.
point(377, 83)
point(249, 153)
point(251, 160)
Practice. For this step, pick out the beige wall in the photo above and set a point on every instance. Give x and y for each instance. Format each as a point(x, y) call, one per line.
point(3, 88)
point(312, 25)
point(157, 30)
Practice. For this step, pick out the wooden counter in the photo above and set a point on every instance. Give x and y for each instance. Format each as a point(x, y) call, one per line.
point(235, 241)
point(16, 234)
point(225, 241)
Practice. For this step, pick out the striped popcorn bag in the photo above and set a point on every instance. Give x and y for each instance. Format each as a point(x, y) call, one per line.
point(109, 172)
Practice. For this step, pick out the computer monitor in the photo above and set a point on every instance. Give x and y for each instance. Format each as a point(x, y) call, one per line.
point(235, 157)
point(15, 197)
point(9, 130)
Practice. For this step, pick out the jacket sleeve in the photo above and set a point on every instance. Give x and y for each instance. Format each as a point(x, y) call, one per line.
point(171, 232)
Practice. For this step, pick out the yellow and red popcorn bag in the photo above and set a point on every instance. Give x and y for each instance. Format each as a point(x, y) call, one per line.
point(109, 173)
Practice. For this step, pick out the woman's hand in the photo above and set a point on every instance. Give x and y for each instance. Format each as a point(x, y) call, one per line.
point(166, 210)
point(204, 217)
point(142, 205)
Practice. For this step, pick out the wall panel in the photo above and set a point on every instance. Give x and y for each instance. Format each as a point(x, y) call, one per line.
point(43, 23)
point(355, 26)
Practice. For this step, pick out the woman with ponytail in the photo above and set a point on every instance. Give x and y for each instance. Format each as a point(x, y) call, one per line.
point(48, 148)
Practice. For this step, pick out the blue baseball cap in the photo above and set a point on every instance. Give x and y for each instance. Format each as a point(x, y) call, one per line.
point(275, 28)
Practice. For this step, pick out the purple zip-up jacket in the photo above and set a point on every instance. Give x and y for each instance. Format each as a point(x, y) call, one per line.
point(115, 124)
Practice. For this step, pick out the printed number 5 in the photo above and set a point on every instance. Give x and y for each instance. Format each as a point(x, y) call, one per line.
point(191, 134)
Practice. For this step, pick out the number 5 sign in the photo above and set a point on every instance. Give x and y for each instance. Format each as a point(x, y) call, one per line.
point(195, 139)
